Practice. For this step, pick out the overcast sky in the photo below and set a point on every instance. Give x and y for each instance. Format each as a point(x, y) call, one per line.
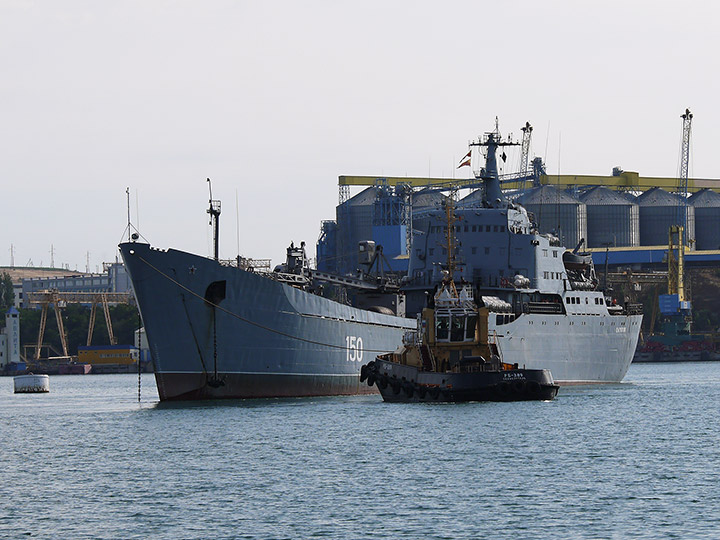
point(275, 100)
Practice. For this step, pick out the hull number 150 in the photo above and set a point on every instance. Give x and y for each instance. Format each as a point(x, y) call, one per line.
point(354, 348)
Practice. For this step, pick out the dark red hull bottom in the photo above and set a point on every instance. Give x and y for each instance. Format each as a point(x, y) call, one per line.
point(197, 386)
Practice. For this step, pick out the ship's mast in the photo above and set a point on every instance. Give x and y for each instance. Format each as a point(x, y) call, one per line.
point(492, 194)
point(214, 212)
point(451, 242)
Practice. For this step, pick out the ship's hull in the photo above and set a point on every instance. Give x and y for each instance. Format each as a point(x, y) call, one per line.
point(577, 349)
point(400, 383)
point(262, 338)
point(268, 339)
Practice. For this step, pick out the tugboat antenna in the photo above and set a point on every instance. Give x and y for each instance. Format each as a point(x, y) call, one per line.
point(214, 212)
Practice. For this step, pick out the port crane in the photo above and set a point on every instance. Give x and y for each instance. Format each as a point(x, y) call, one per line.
point(59, 300)
point(525, 152)
point(677, 238)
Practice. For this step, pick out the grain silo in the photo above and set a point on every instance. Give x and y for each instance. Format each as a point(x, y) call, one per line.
point(354, 223)
point(557, 212)
point(474, 198)
point(427, 200)
point(659, 210)
point(707, 219)
point(612, 218)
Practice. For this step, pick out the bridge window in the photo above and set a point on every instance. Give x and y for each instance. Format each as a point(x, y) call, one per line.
point(441, 328)
point(470, 327)
point(487, 228)
point(431, 251)
point(457, 329)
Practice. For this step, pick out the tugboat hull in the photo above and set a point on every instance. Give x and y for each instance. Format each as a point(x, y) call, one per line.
point(402, 383)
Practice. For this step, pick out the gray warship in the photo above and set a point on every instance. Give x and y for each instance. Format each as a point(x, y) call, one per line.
point(218, 330)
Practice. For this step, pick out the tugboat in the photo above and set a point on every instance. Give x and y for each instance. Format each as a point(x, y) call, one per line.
point(451, 356)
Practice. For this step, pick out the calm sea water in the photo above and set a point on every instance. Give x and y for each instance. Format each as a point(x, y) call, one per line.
point(633, 460)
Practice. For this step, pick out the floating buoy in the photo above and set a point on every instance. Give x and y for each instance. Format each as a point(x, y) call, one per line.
point(32, 384)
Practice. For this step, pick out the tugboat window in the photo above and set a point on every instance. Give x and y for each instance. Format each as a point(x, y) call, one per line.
point(441, 328)
point(470, 328)
point(457, 329)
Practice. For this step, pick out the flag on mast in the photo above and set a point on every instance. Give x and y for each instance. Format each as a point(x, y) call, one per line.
point(466, 161)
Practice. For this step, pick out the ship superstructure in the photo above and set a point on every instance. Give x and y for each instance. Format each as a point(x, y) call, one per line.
point(546, 308)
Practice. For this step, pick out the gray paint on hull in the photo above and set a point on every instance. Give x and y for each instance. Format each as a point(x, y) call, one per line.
point(182, 339)
point(179, 327)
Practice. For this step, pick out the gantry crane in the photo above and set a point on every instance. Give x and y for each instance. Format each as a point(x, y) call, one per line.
point(60, 299)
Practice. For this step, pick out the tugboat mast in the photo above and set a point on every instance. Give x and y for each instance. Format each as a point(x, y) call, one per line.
point(451, 218)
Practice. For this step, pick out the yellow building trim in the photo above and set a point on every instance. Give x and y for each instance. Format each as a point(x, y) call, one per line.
point(346, 180)
point(627, 180)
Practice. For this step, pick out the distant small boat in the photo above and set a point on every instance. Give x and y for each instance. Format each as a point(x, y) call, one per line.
point(32, 384)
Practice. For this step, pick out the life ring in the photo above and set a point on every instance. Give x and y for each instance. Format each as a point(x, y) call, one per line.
point(504, 282)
